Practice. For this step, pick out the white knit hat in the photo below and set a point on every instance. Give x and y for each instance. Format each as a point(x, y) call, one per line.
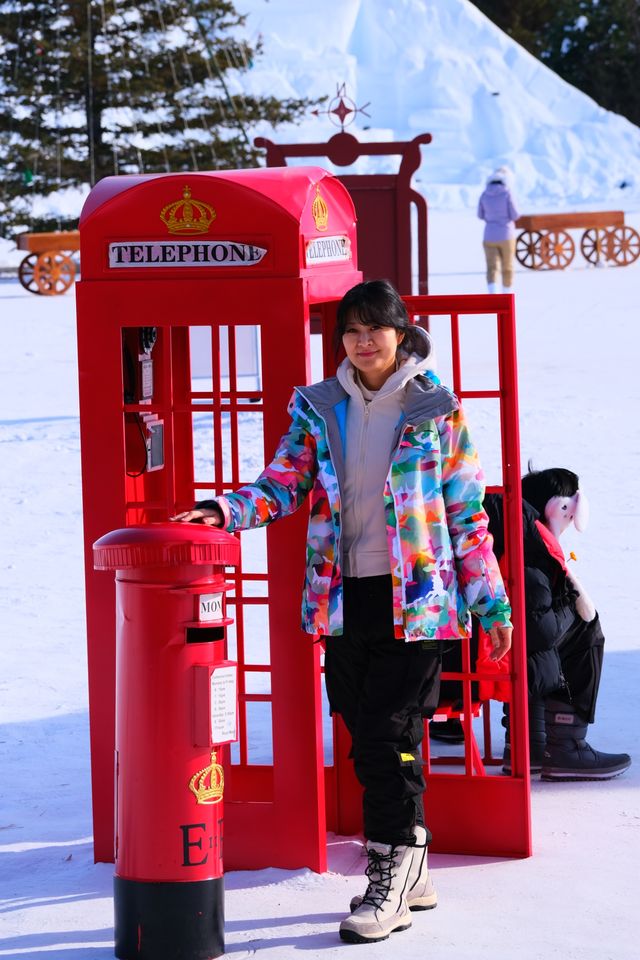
point(501, 175)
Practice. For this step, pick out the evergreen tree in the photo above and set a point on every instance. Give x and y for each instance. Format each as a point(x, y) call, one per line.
point(593, 44)
point(90, 88)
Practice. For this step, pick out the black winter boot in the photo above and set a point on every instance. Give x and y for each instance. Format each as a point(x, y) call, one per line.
point(568, 756)
point(537, 737)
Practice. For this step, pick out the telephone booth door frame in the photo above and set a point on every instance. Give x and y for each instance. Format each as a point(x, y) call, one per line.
point(474, 811)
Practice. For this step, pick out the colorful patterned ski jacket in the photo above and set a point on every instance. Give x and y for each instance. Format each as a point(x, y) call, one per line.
point(442, 563)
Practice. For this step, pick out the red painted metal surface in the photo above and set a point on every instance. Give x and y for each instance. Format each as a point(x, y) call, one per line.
point(166, 829)
point(384, 204)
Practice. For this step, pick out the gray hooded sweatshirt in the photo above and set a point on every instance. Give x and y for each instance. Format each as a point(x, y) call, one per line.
point(372, 417)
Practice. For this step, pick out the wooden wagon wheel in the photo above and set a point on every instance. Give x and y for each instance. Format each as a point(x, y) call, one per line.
point(623, 246)
point(593, 245)
point(54, 272)
point(26, 273)
point(528, 250)
point(557, 249)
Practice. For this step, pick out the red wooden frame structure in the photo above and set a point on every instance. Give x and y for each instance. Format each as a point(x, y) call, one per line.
point(384, 203)
point(473, 812)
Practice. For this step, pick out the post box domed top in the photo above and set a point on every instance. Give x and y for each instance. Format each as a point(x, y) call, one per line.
point(165, 545)
point(246, 224)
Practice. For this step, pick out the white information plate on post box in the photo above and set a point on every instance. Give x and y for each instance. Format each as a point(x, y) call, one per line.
point(224, 703)
point(210, 607)
point(215, 707)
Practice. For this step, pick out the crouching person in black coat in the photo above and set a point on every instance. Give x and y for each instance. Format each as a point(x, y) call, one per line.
point(564, 638)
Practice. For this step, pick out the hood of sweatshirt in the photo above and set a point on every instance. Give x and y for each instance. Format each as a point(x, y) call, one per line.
point(409, 366)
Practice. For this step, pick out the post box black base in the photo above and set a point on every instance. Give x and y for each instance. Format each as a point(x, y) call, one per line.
point(169, 921)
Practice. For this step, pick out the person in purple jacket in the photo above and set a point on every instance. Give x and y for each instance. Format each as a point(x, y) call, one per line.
point(497, 209)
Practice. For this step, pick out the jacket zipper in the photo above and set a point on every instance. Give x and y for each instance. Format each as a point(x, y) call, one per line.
point(405, 427)
point(358, 497)
point(564, 685)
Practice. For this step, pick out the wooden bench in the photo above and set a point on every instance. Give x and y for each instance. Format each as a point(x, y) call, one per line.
point(545, 244)
point(48, 268)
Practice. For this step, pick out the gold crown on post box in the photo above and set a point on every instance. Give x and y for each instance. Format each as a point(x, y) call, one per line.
point(188, 215)
point(207, 785)
point(320, 211)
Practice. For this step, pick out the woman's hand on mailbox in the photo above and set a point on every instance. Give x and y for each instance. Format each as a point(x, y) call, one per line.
point(211, 516)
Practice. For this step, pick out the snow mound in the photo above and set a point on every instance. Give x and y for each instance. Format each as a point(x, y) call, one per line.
point(440, 66)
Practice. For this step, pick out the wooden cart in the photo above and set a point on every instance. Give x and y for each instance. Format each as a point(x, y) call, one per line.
point(48, 268)
point(545, 244)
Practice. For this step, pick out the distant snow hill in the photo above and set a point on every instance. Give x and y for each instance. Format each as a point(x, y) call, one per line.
point(440, 66)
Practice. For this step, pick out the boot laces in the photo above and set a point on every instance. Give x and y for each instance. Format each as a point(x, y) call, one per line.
point(380, 874)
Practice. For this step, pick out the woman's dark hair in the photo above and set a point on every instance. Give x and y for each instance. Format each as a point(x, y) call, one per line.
point(538, 486)
point(378, 303)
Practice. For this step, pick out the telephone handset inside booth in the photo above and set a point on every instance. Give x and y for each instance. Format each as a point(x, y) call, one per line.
point(144, 430)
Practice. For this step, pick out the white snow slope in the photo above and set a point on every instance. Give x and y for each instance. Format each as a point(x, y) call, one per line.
point(575, 899)
point(440, 66)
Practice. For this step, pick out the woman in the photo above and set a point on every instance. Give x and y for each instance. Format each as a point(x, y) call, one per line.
point(398, 555)
point(497, 209)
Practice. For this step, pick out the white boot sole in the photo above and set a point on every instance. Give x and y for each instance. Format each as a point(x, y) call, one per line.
point(581, 775)
point(351, 936)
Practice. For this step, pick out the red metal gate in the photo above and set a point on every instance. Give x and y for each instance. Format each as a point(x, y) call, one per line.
point(471, 807)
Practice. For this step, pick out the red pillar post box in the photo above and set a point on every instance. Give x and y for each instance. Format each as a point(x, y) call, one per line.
point(176, 705)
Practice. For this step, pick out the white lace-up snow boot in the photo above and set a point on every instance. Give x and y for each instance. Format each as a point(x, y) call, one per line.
point(384, 908)
point(421, 894)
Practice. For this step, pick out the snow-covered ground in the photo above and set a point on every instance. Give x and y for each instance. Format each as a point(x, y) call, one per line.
point(575, 899)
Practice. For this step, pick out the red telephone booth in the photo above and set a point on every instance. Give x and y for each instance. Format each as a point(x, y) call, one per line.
point(180, 273)
point(174, 268)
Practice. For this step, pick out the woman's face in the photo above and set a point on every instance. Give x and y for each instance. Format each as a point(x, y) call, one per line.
point(371, 350)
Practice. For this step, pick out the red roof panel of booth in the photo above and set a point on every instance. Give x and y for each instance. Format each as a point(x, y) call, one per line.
point(279, 221)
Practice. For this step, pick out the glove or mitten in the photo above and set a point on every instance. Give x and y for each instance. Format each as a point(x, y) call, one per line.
point(584, 604)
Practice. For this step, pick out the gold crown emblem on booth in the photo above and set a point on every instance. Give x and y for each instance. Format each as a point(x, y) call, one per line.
point(207, 785)
point(320, 211)
point(188, 215)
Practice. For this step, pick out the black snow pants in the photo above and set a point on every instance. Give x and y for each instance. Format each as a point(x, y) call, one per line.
point(382, 687)
point(581, 651)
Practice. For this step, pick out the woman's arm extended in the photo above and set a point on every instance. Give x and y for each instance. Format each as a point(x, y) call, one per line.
point(279, 490)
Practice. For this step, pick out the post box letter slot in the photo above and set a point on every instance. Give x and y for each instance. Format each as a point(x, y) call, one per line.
point(203, 634)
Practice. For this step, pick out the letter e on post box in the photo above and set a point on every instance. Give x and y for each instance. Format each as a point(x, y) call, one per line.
point(215, 704)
